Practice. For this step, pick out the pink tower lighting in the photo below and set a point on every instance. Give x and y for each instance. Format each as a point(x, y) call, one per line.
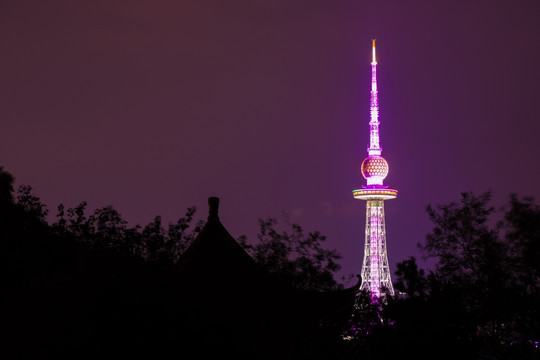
point(375, 269)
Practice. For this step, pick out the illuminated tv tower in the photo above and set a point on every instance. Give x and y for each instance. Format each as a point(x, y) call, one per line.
point(375, 269)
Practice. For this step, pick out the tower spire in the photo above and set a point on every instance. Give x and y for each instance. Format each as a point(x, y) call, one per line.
point(374, 146)
point(374, 58)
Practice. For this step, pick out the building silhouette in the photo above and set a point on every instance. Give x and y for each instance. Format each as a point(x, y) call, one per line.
point(228, 304)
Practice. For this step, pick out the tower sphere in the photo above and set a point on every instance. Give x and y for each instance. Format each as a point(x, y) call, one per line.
point(374, 166)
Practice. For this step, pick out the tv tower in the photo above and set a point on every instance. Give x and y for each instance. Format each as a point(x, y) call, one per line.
point(375, 269)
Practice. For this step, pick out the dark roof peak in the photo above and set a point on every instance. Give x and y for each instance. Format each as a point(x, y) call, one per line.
point(213, 207)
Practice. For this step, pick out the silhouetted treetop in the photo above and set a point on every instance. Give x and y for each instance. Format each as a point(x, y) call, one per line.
point(6, 187)
point(89, 282)
point(295, 256)
point(487, 270)
point(410, 279)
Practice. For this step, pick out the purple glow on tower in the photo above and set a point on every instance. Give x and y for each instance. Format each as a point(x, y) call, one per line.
point(375, 269)
point(374, 146)
point(375, 226)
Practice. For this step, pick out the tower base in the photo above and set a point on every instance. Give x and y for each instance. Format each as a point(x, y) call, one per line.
point(375, 269)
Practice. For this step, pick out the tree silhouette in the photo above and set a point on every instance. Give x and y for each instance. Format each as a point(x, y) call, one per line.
point(410, 279)
point(521, 226)
point(466, 248)
point(89, 283)
point(6, 187)
point(294, 256)
point(179, 234)
point(488, 274)
point(106, 231)
point(30, 203)
point(522, 232)
point(481, 299)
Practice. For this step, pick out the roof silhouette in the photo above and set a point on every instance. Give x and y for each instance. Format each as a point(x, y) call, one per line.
point(226, 299)
point(215, 256)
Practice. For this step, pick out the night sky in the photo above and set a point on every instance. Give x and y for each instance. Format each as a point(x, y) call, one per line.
point(153, 106)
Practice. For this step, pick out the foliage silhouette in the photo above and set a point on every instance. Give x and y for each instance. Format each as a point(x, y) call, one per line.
point(410, 279)
point(481, 299)
point(484, 276)
point(89, 284)
point(297, 258)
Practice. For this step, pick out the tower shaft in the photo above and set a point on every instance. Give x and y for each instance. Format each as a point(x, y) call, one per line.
point(375, 269)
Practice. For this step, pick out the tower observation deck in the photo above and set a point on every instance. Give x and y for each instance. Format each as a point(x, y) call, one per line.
point(375, 270)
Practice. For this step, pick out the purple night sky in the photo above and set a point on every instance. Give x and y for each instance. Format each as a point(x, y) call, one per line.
point(153, 106)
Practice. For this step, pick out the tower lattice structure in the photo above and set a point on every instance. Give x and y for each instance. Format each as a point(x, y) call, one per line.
point(375, 269)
